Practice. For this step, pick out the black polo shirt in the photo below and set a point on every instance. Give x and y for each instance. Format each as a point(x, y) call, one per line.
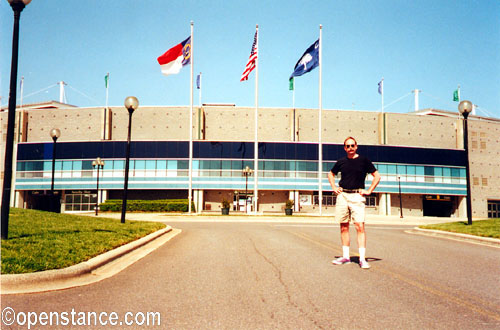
point(353, 171)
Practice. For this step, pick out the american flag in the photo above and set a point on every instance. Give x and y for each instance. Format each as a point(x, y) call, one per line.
point(251, 60)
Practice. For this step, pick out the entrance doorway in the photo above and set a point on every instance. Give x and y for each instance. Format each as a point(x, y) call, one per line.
point(438, 206)
point(44, 201)
point(242, 202)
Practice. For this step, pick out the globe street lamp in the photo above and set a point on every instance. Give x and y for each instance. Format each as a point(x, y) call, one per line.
point(99, 163)
point(131, 104)
point(246, 172)
point(465, 108)
point(17, 7)
point(54, 134)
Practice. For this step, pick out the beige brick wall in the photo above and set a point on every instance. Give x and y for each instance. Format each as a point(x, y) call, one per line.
point(3, 138)
point(338, 125)
point(76, 124)
point(153, 123)
point(421, 131)
point(484, 146)
point(275, 124)
point(229, 123)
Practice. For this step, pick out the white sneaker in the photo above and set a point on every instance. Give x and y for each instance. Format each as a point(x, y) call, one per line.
point(341, 261)
point(364, 264)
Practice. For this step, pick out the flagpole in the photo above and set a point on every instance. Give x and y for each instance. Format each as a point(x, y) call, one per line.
point(256, 120)
point(106, 109)
point(383, 114)
point(320, 144)
point(190, 193)
point(294, 112)
point(459, 93)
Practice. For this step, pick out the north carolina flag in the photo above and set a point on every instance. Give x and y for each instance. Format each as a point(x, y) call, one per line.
point(175, 58)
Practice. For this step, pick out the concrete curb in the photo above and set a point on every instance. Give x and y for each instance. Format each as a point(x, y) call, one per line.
point(10, 282)
point(495, 242)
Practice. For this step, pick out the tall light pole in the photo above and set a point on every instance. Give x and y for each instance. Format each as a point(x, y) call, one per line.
point(246, 172)
point(131, 104)
point(55, 133)
point(465, 108)
point(400, 199)
point(17, 7)
point(99, 163)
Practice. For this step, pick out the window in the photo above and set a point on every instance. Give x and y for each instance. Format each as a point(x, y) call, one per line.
point(328, 200)
point(455, 175)
point(86, 168)
point(401, 170)
point(419, 171)
point(410, 172)
point(493, 209)
point(371, 201)
point(81, 201)
point(226, 168)
point(446, 175)
point(429, 174)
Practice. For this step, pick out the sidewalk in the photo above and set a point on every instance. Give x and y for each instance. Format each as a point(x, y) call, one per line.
point(271, 217)
point(94, 270)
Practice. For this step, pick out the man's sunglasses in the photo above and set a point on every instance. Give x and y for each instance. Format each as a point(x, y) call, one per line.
point(350, 145)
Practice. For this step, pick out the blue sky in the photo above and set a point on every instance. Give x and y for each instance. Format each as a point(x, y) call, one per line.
point(430, 45)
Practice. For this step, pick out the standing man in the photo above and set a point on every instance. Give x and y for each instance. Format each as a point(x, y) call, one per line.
point(351, 199)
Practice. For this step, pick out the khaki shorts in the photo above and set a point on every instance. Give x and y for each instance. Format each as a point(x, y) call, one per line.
point(350, 207)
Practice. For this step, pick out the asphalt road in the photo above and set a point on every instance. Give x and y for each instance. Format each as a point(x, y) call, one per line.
point(269, 276)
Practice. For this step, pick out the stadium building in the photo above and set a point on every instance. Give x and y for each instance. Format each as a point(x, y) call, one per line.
point(420, 156)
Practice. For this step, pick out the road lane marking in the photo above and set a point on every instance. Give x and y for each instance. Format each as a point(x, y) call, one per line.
point(437, 290)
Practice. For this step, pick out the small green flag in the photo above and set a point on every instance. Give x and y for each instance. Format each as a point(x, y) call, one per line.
point(106, 78)
point(456, 96)
point(291, 84)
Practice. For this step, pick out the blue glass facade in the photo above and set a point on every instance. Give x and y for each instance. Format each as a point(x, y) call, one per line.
point(218, 165)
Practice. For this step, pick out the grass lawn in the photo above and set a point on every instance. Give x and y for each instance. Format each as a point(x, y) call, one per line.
point(486, 228)
point(43, 240)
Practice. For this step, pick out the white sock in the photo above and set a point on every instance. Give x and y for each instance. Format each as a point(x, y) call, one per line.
point(362, 253)
point(345, 252)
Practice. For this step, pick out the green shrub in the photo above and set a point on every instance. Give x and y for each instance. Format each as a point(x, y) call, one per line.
point(160, 205)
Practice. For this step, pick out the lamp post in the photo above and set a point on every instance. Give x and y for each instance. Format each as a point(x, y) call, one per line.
point(465, 108)
point(54, 134)
point(131, 104)
point(17, 7)
point(400, 199)
point(246, 172)
point(99, 163)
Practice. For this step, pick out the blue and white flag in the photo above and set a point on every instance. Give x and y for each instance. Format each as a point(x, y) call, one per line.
point(381, 86)
point(308, 61)
point(198, 81)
